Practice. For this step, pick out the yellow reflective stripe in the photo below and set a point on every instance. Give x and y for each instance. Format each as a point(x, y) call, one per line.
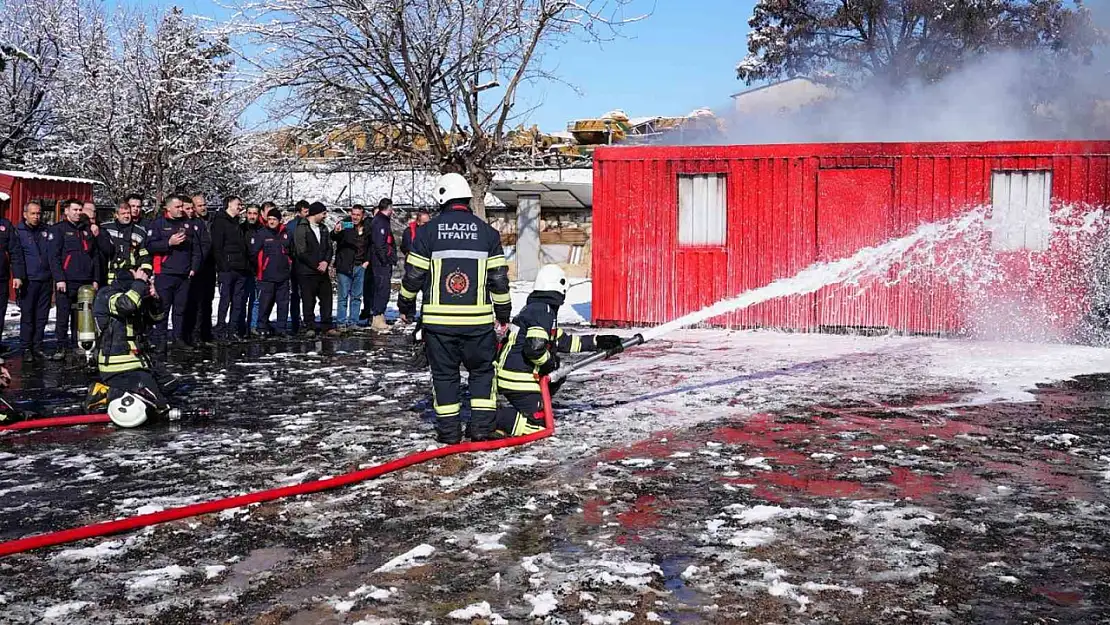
point(520, 376)
point(449, 410)
point(575, 344)
point(458, 309)
point(496, 262)
point(502, 298)
point(119, 367)
point(483, 404)
point(418, 261)
point(522, 387)
point(467, 320)
point(522, 427)
point(536, 332)
point(542, 359)
point(437, 274)
point(506, 351)
point(481, 296)
point(407, 294)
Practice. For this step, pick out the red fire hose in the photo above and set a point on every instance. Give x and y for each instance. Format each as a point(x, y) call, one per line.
point(208, 507)
point(51, 422)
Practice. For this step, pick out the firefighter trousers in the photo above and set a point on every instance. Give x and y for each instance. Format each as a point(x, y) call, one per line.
point(524, 414)
point(445, 353)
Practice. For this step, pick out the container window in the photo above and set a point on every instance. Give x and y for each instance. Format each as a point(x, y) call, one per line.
point(1021, 210)
point(702, 205)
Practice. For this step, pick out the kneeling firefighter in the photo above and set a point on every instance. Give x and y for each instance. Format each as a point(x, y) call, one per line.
point(529, 352)
point(125, 312)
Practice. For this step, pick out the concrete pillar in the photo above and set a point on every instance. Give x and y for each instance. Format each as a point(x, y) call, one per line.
point(527, 237)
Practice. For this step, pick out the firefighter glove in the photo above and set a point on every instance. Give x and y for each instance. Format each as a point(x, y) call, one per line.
point(406, 307)
point(550, 366)
point(609, 342)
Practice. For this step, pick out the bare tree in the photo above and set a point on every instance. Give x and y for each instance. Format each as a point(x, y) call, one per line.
point(436, 79)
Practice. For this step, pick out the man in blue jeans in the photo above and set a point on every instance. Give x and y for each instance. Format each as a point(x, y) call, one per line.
point(352, 243)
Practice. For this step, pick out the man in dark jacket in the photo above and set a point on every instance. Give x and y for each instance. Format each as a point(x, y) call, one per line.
point(352, 244)
point(230, 251)
point(272, 247)
point(256, 220)
point(382, 260)
point(36, 281)
point(73, 263)
point(11, 265)
point(202, 288)
point(300, 216)
point(312, 250)
point(175, 244)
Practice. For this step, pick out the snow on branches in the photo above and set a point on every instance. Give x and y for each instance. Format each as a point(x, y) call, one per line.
point(899, 40)
point(145, 103)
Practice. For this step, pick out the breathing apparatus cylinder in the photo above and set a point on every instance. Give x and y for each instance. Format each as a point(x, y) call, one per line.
point(86, 323)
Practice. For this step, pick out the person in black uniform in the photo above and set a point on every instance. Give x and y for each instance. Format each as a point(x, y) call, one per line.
point(529, 352)
point(272, 248)
point(34, 273)
point(11, 266)
point(175, 245)
point(123, 243)
point(202, 286)
point(300, 216)
point(383, 258)
point(458, 264)
point(73, 262)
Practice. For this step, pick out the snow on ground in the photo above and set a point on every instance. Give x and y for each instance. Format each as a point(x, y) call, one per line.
point(710, 476)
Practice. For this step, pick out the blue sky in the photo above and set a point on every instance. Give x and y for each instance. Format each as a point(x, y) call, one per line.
point(681, 58)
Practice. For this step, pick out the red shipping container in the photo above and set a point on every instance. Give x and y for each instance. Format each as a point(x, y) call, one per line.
point(787, 206)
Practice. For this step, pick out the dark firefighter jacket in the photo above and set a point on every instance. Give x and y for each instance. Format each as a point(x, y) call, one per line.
point(178, 260)
point(308, 250)
point(530, 345)
point(273, 254)
point(381, 238)
point(124, 246)
point(11, 253)
point(35, 243)
point(458, 263)
point(123, 316)
point(73, 253)
point(229, 249)
point(351, 247)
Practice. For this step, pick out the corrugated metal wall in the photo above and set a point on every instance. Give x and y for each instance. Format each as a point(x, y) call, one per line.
point(791, 205)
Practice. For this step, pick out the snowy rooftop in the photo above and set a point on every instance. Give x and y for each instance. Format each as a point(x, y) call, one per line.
point(30, 175)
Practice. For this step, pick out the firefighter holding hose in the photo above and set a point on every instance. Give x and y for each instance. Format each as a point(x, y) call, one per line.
point(530, 352)
point(124, 313)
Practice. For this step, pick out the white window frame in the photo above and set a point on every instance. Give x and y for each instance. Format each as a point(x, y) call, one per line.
point(702, 210)
point(1021, 210)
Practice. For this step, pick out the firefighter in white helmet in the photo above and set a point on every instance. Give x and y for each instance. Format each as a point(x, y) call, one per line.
point(530, 351)
point(457, 262)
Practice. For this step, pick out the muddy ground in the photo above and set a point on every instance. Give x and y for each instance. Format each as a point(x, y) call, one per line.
point(714, 477)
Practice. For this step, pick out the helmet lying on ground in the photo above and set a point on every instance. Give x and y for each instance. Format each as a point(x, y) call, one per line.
point(129, 411)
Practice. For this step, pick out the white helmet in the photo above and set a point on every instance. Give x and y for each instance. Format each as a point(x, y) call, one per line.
point(451, 187)
point(551, 278)
point(128, 411)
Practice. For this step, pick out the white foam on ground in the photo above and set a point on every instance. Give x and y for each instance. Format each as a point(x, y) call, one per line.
point(407, 560)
